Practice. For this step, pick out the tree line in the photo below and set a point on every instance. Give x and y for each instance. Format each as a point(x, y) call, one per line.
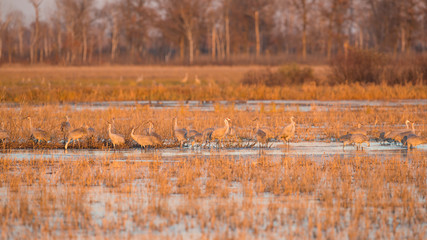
point(80, 32)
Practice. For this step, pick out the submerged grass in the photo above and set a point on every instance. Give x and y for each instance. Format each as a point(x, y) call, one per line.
point(215, 197)
point(313, 125)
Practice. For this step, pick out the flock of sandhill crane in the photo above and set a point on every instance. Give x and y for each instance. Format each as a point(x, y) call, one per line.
point(262, 136)
point(406, 137)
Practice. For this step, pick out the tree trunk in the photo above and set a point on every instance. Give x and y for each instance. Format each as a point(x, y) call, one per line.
point(84, 53)
point(257, 39)
point(1, 48)
point(59, 40)
point(213, 42)
point(304, 44)
point(361, 39)
point(304, 31)
point(21, 41)
point(403, 40)
point(34, 41)
point(220, 48)
point(227, 37)
point(190, 46)
point(181, 49)
point(114, 38)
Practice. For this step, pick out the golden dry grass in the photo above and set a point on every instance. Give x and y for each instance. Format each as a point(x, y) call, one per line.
point(215, 196)
point(357, 197)
point(46, 84)
point(313, 125)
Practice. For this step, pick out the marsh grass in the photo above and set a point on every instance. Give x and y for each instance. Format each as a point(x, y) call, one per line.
point(311, 126)
point(90, 84)
point(215, 197)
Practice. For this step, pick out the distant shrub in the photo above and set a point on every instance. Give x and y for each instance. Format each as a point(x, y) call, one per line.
point(406, 70)
point(257, 77)
point(361, 66)
point(285, 75)
point(292, 74)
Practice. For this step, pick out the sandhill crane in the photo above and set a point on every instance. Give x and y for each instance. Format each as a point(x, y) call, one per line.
point(414, 140)
point(143, 140)
point(38, 134)
point(197, 80)
point(355, 139)
point(191, 132)
point(116, 139)
point(288, 132)
point(399, 137)
point(156, 138)
point(140, 78)
point(260, 134)
point(358, 130)
point(220, 133)
point(195, 136)
point(389, 136)
point(65, 127)
point(3, 136)
point(3, 133)
point(179, 133)
point(185, 79)
point(76, 134)
point(207, 135)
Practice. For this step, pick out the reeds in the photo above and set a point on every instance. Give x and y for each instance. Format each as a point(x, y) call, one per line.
point(310, 126)
point(86, 84)
point(215, 197)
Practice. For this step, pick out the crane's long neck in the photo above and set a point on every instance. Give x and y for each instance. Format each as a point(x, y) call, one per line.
point(109, 129)
point(31, 124)
point(131, 133)
point(413, 128)
point(407, 124)
point(257, 126)
point(227, 127)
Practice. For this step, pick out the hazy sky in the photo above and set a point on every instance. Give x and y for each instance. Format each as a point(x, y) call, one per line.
point(25, 6)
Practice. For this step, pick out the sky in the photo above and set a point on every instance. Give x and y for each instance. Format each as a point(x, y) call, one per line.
point(7, 6)
point(46, 7)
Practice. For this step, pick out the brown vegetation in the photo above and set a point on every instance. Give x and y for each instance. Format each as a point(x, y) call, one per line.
point(80, 32)
point(320, 125)
point(88, 84)
point(215, 197)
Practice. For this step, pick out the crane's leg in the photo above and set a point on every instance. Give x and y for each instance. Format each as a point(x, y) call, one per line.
point(66, 144)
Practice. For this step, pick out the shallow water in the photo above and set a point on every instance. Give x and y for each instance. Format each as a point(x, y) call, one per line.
point(317, 151)
point(250, 105)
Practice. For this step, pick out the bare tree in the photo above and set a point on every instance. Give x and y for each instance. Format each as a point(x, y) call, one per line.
point(336, 13)
point(182, 18)
point(77, 16)
point(35, 34)
point(159, 30)
point(135, 18)
point(304, 8)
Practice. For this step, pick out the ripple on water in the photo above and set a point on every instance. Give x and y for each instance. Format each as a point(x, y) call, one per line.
point(318, 151)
